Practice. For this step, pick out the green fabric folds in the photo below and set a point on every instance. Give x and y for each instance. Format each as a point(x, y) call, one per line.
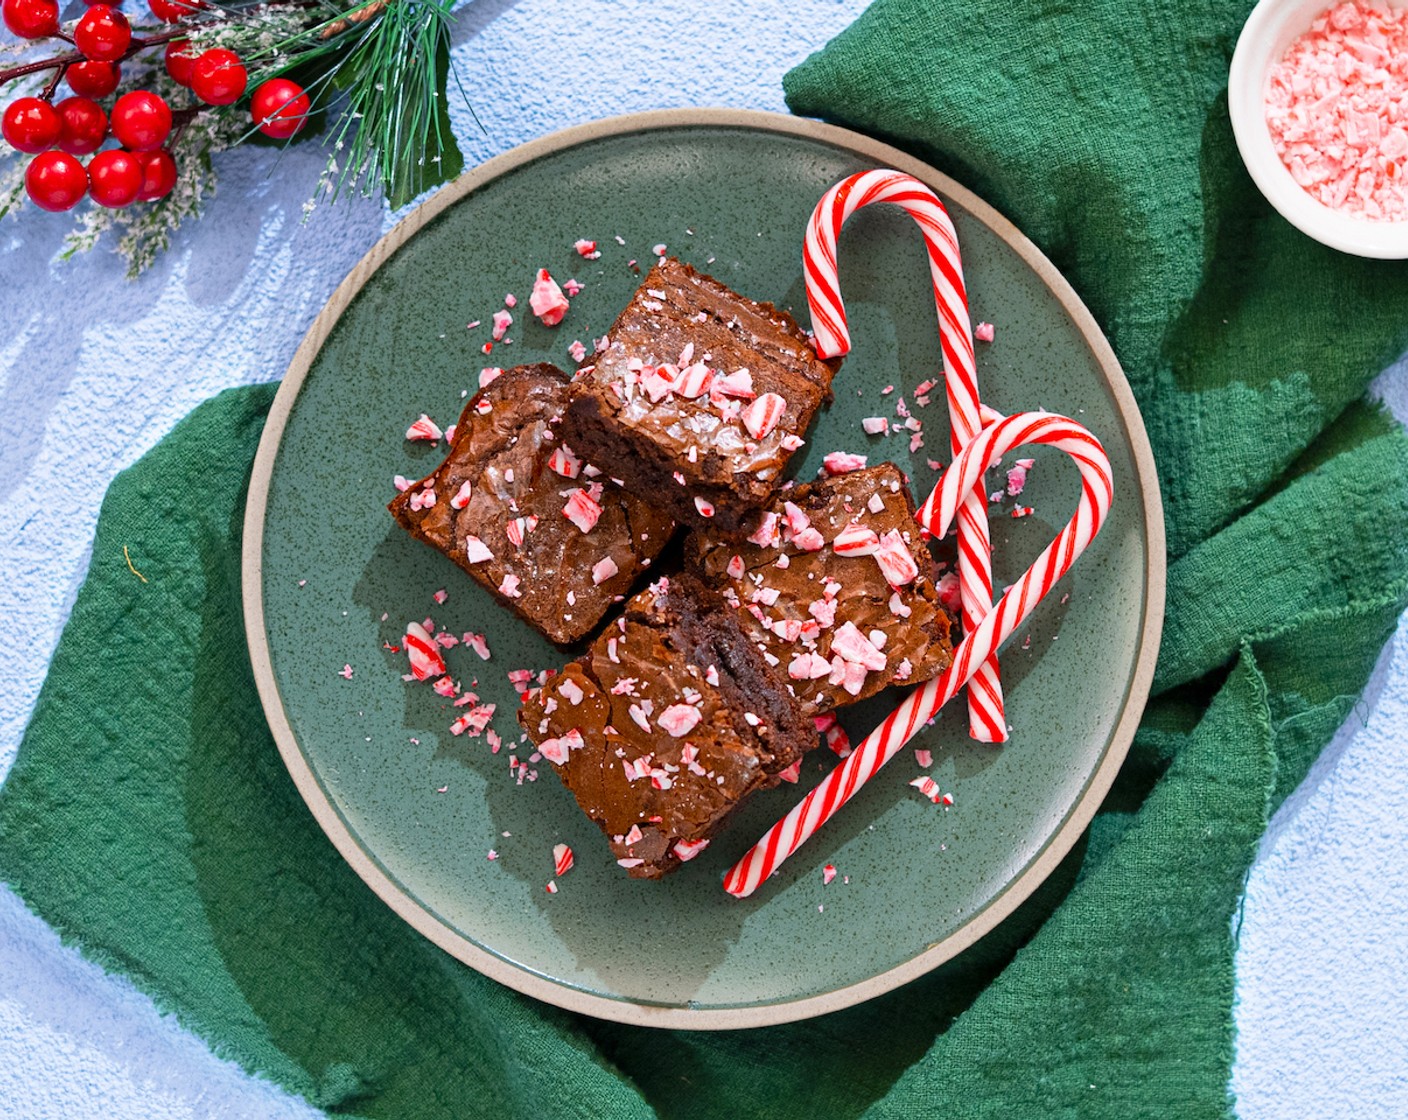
point(1101, 129)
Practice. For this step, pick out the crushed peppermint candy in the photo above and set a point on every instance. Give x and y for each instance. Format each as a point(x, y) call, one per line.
point(478, 643)
point(1017, 476)
point(488, 375)
point(827, 874)
point(949, 592)
point(679, 719)
point(767, 533)
point(763, 415)
point(875, 425)
point(345, 672)
point(561, 859)
point(475, 550)
point(587, 249)
point(705, 508)
point(564, 462)
point(502, 321)
point(896, 562)
point(924, 758)
point(603, 570)
point(928, 787)
point(547, 301)
point(855, 647)
point(842, 462)
point(856, 540)
point(509, 586)
point(577, 351)
point(686, 850)
point(425, 430)
point(423, 653)
point(581, 510)
point(551, 888)
point(1335, 108)
point(984, 332)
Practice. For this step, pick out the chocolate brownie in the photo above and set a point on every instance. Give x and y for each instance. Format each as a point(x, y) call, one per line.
point(549, 535)
point(699, 398)
point(668, 723)
point(836, 587)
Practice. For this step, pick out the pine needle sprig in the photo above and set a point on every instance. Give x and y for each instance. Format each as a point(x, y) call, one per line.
point(381, 70)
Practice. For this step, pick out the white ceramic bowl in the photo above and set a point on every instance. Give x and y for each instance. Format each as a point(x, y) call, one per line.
point(1271, 28)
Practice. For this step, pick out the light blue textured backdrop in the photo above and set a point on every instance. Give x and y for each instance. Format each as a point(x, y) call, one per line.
point(94, 370)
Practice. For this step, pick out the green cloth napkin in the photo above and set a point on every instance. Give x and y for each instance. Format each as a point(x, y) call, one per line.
point(149, 819)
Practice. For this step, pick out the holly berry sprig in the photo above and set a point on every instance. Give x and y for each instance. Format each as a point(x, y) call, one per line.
point(143, 168)
point(375, 72)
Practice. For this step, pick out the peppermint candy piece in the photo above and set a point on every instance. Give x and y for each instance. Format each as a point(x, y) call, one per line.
point(475, 550)
point(581, 511)
point(686, 850)
point(679, 719)
point(842, 462)
point(603, 570)
point(547, 301)
point(423, 653)
point(856, 540)
point(895, 560)
point(855, 647)
point(763, 415)
point(424, 430)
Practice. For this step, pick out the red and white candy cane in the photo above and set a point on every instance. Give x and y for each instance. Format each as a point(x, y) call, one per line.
point(963, 474)
point(986, 720)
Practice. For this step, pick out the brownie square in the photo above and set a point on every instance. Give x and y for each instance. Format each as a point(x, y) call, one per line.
point(547, 534)
point(668, 723)
point(835, 585)
point(699, 398)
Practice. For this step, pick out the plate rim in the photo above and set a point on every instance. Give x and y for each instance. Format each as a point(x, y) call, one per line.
point(553, 991)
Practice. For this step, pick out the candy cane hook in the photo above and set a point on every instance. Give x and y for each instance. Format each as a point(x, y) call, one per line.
point(986, 720)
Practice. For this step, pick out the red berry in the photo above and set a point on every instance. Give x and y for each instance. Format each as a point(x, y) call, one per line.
point(180, 61)
point(31, 125)
point(141, 121)
point(55, 181)
point(85, 125)
point(103, 34)
point(115, 178)
point(174, 11)
point(280, 108)
point(158, 175)
point(93, 79)
point(31, 19)
point(218, 78)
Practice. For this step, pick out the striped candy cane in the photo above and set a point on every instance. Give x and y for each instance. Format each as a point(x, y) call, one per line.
point(986, 720)
point(963, 475)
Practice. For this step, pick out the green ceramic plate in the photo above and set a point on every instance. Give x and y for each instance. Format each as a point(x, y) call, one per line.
point(329, 579)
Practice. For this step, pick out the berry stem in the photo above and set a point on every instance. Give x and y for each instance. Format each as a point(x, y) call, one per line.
point(180, 119)
point(61, 62)
point(47, 93)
